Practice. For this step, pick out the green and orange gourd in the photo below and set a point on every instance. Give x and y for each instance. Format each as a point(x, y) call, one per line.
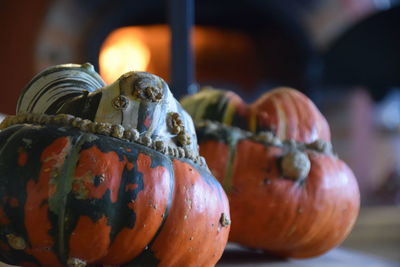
point(289, 193)
point(106, 175)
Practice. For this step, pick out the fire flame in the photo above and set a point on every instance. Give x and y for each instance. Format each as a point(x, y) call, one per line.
point(221, 55)
point(123, 50)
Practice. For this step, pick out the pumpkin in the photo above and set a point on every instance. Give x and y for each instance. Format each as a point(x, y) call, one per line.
point(288, 196)
point(125, 187)
point(285, 112)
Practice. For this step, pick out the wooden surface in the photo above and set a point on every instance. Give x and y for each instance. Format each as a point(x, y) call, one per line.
point(339, 257)
point(377, 232)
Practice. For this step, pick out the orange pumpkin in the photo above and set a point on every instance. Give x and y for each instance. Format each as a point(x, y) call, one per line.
point(79, 191)
point(287, 197)
point(285, 112)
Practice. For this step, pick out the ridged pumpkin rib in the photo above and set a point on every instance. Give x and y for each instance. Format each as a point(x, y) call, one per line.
point(193, 194)
point(37, 204)
point(61, 187)
point(129, 243)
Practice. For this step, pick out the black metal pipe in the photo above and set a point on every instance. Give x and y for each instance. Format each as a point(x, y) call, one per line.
point(181, 20)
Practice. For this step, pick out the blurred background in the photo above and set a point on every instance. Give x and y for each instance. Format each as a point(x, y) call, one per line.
point(344, 54)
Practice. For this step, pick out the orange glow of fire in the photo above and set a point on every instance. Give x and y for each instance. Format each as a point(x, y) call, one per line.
point(123, 50)
point(220, 55)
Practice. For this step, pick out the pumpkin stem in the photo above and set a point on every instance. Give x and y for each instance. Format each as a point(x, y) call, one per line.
point(47, 91)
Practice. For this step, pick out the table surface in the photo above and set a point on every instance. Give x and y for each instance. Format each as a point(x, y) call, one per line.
point(236, 256)
point(339, 257)
point(374, 241)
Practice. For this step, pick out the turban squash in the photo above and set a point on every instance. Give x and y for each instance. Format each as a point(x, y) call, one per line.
point(289, 194)
point(285, 112)
point(107, 176)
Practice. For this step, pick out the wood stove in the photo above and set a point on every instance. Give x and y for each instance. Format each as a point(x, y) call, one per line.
point(246, 46)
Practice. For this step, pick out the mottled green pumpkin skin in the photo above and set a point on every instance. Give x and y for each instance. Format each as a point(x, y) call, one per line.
point(68, 194)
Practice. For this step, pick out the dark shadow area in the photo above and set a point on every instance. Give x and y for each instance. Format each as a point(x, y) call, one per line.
point(237, 254)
